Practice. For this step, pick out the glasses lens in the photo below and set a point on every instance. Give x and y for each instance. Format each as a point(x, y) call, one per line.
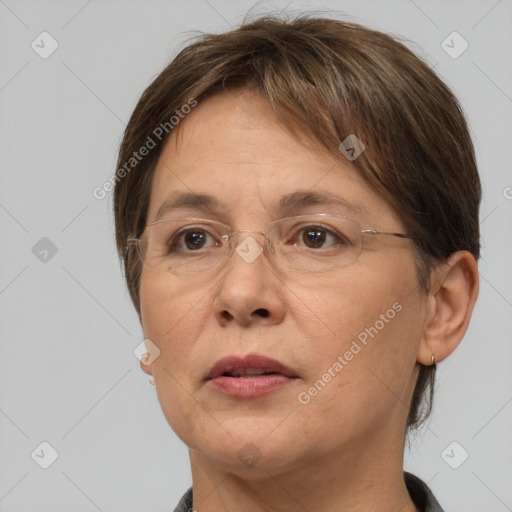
point(307, 243)
point(316, 243)
point(183, 246)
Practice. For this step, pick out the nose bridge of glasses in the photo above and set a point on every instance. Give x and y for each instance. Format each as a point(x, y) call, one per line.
point(246, 233)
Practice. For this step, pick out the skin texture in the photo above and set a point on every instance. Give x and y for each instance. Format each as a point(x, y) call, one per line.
point(344, 449)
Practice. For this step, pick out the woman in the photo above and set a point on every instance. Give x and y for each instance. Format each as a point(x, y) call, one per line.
point(296, 207)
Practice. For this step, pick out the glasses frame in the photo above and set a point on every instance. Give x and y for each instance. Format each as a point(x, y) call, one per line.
point(133, 241)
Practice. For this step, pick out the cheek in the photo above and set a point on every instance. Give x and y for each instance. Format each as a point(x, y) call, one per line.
point(336, 311)
point(362, 340)
point(169, 307)
point(173, 316)
point(369, 393)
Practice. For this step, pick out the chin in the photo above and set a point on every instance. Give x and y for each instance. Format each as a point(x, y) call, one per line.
point(254, 447)
point(254, 460)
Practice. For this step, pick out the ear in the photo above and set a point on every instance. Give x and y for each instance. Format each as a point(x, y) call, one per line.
point(453, 293)
point(146, 362)
point(146, 368)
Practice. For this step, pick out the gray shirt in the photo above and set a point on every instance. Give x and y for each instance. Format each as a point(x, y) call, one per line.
point(420, 493)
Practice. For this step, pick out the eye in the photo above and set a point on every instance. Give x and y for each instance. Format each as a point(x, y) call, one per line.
point(315, 237)
point(192, 239)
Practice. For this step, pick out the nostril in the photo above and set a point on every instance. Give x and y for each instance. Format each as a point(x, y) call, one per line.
point(264, 313)
point(226, 315)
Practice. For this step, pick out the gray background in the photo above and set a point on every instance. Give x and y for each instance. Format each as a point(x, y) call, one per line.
point(68, 374)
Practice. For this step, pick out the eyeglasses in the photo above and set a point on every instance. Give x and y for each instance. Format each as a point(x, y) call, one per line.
point(306, 243)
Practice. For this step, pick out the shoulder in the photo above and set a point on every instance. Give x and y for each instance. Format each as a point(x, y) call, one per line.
point(421, 494)
point(185, 504)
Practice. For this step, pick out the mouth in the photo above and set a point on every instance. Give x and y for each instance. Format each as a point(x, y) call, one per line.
point(250, 372)
point(252, 365)
point(249, 376)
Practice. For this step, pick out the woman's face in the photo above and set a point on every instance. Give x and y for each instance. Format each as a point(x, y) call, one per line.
point(350, 336)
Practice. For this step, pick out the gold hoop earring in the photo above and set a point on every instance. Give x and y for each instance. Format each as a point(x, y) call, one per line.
point(433, 360)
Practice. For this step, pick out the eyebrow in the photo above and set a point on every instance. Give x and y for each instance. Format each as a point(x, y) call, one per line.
point(289, 203)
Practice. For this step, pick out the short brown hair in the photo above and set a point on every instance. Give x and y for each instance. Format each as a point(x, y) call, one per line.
point(328, 79)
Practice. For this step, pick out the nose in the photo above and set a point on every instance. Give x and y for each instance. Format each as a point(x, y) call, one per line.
point(249, 292)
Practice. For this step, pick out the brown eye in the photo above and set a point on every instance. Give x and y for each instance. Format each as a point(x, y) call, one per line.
point(191, 240)
point(194, 239)
point(319, 237)
point(314, 238)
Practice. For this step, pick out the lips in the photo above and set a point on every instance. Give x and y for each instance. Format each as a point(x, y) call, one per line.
point(249, 377)
point(252, 365)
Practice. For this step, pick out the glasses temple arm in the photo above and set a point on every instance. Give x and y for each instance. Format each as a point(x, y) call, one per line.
point(375, 232)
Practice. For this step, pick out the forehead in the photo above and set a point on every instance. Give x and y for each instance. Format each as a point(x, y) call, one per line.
point(231, 155)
